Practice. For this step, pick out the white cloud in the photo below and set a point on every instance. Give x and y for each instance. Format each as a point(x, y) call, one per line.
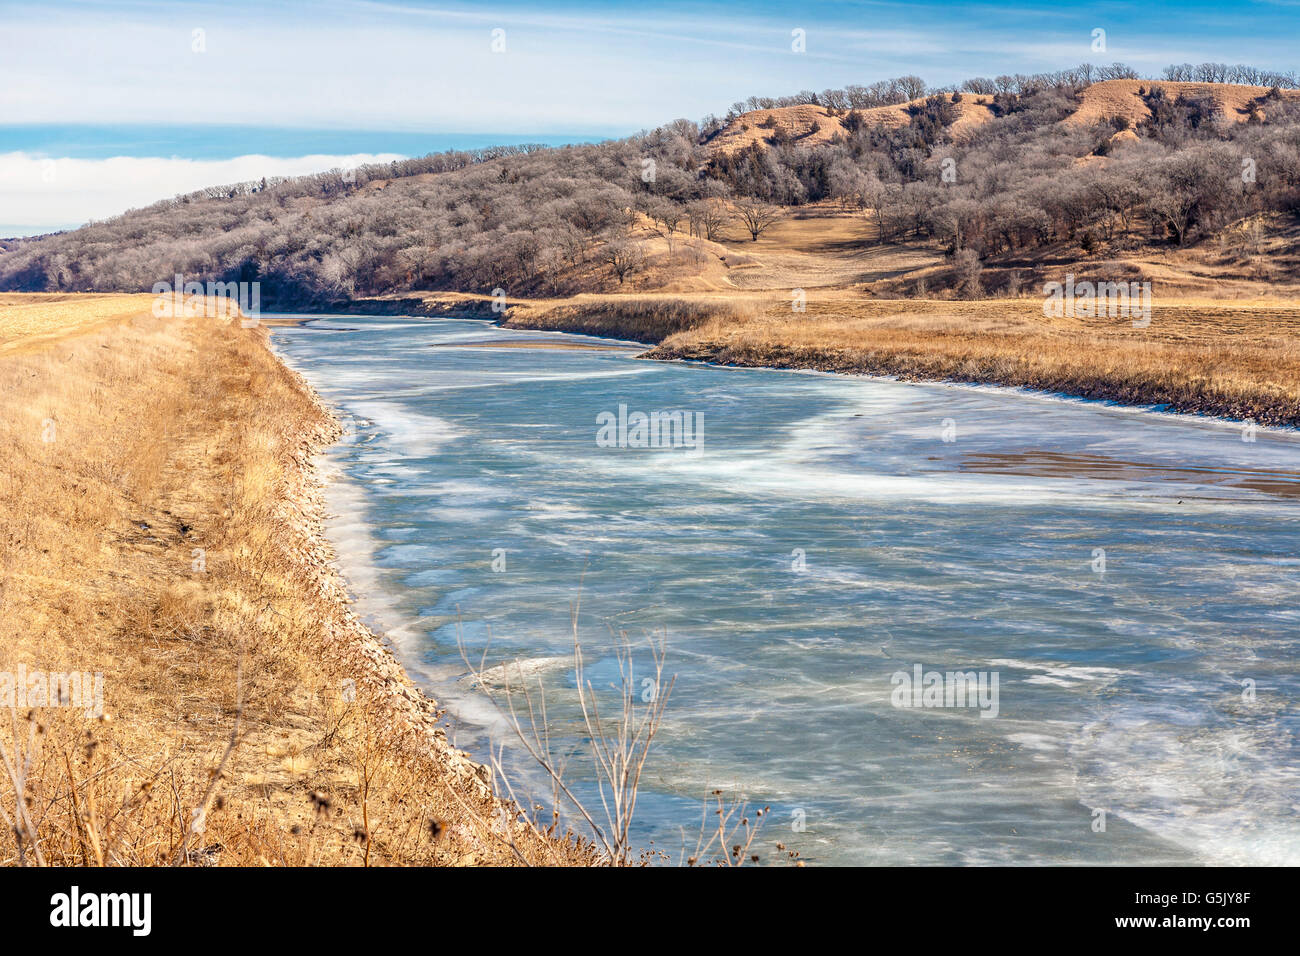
point(41, 194)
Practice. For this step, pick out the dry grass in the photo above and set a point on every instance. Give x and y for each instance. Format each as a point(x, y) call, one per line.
point(636, 318)
point(797, 122)
point(159, 522)
point(1240, 360)
point(1119, 98)
point(33, 321)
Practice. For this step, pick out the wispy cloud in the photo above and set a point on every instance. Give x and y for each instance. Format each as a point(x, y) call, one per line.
point(40, 194)
point(578, 67)
point(382, 64)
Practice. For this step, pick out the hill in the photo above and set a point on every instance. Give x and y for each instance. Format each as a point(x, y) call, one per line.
point(1014, 180)
point(1128, 100)
point(810, 124)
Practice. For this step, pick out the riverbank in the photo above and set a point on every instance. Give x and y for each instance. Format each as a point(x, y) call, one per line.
point(1232, 359)
point(162, 520)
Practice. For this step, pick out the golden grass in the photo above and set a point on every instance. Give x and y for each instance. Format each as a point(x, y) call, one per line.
point(1235, 360)
point(159, 524)
point(32, 321)
point(639, 318)
point(1119, 98)
point(797, 122)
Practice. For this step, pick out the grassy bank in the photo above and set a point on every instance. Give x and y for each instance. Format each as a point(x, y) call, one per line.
point(161, 527)
point(1238, 360)
point(1234, 359)
point(648, 318)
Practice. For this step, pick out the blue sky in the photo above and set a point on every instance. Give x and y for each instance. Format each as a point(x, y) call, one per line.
point(194, 90)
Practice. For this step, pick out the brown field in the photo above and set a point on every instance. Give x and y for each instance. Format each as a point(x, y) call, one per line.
point(33, 321)
point(160, 521)
point(826, 247)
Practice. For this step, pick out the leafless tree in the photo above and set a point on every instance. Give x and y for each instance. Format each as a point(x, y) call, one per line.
point(967, 269)
point(624, 256)
point(618, 741)
point(757, 216)
point(665, 218)
point(709, 217)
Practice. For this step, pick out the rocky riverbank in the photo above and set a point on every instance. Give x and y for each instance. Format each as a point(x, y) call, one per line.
point(163, 520)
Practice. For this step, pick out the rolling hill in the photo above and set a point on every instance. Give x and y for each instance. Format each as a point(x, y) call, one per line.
point(965, 192)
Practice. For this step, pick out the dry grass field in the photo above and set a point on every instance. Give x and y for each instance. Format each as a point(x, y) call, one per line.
point(1238, 360)
point(159, 518)
point(1121, 98)
point(31, 322)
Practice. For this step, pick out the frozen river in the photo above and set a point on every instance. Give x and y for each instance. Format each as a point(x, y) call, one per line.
point(1128, 579)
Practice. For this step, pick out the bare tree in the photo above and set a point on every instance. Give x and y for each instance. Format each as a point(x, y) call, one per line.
point(709, 217)
point(624, 256)
point(665, 218)
point(619, 742)
point(1189, 189)
point(757, 216)
point(912, 87)
point(1118, 197)
point(967, 269)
